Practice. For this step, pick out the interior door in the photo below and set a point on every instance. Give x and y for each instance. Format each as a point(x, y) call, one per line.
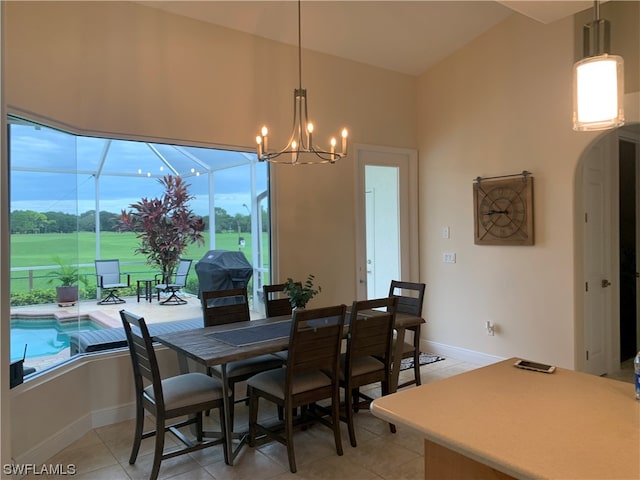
point(386, 226)
point(597, 244)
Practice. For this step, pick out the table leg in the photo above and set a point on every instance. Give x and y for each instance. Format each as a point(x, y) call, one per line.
point(228, 430)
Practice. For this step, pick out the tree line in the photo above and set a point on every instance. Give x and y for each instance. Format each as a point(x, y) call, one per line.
point(29, 222)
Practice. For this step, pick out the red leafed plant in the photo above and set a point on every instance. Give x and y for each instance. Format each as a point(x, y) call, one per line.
point(165, 225)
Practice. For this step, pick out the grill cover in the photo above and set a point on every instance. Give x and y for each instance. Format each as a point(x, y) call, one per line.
point(222, 270)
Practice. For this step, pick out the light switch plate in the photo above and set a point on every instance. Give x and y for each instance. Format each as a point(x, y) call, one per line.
point(449, 257)
point(445, 232)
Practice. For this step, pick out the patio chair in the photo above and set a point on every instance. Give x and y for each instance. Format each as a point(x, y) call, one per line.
point(187, 394)
point(173, 287)
point(109, 278)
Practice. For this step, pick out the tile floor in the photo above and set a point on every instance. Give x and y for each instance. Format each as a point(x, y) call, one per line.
point(103, 453)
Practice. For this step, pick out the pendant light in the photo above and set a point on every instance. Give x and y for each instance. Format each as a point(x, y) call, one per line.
point(300, 149)
point(598, 80)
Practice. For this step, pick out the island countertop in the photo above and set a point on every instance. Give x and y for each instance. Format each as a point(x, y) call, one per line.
point(564, 425)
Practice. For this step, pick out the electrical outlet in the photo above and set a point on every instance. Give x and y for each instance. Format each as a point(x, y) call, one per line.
point(445, 232)
point(490, 328)
point(449, 257)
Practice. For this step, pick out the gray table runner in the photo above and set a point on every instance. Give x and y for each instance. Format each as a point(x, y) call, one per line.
point(249, 335)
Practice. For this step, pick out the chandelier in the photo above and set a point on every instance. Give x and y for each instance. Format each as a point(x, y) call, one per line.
point(300, 149)
point(598, 80)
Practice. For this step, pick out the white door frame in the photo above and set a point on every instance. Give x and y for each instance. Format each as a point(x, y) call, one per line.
point(407, 161)
point(608, 145)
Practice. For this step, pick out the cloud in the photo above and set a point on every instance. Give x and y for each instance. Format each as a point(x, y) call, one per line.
point(57, 171)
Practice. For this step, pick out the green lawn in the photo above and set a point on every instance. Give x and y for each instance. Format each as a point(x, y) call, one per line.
point(38, 250)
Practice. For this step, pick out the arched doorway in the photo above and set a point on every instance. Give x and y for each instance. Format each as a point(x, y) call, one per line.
point(608, 209)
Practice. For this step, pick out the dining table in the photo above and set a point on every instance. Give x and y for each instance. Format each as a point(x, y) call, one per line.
point(221, 344)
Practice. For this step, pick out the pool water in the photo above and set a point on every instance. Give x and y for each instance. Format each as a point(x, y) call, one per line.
point(44, 336)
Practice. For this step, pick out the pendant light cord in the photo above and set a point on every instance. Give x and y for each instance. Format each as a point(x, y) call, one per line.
point(299, 49)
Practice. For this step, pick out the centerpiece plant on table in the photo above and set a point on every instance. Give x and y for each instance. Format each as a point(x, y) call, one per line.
point(300, 293)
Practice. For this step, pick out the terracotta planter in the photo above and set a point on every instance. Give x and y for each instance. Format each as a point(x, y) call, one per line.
point(67, 295)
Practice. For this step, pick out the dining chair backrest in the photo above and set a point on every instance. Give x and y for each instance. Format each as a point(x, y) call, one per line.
point(315, 340)
point(183, 397)
point(371, 331)
point(143, 357)
point(410, 296)
point(220, 307)
point(108, 272)
point(276, 302)
point(182, 272)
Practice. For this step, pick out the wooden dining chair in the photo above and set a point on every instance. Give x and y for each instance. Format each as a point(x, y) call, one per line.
point(368, 356)
point(276, 302)
point(187, 394)
point(410, 300)
point(221, 307)
point(310, 375)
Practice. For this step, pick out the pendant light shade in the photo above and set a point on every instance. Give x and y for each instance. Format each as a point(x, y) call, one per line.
point(598, 86)
point(598, 80)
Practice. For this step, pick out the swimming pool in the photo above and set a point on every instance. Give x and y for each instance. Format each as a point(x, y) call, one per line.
point(45, 336)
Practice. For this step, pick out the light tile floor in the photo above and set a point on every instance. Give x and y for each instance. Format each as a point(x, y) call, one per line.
point(103, 452)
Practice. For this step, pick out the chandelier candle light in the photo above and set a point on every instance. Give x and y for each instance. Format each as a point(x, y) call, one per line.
point(300, 149)
point(598, 80)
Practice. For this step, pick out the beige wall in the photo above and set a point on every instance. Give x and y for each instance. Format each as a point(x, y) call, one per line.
point(134, 72)
point(499, 105)
point(503, 106)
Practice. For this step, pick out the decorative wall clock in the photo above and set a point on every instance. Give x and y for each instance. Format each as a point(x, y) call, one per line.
point(503, 210)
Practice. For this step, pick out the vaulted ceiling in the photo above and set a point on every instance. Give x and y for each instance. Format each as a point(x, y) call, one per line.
point(403, 36)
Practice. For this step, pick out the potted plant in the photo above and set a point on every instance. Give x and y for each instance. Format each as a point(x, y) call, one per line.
point(300, 293)
point(68, 277)
point(164, 226)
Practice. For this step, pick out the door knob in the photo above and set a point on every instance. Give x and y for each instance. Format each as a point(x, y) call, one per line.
point(605, 283)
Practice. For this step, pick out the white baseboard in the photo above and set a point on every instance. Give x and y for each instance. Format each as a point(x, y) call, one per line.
point(458, 353)
point(48, 447)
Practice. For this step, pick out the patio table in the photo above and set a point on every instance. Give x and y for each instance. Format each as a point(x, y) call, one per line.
point(145, 285)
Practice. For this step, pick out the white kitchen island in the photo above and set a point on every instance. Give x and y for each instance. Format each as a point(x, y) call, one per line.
point(503, 422)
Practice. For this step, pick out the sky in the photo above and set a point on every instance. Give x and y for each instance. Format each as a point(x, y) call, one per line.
point(44, 163)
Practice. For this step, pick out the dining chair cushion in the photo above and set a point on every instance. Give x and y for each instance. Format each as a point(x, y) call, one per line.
point(247, 366)
point(406, 346)
point(187, 389)
point(283, 355)
point(273, 382)
point(361, 365)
